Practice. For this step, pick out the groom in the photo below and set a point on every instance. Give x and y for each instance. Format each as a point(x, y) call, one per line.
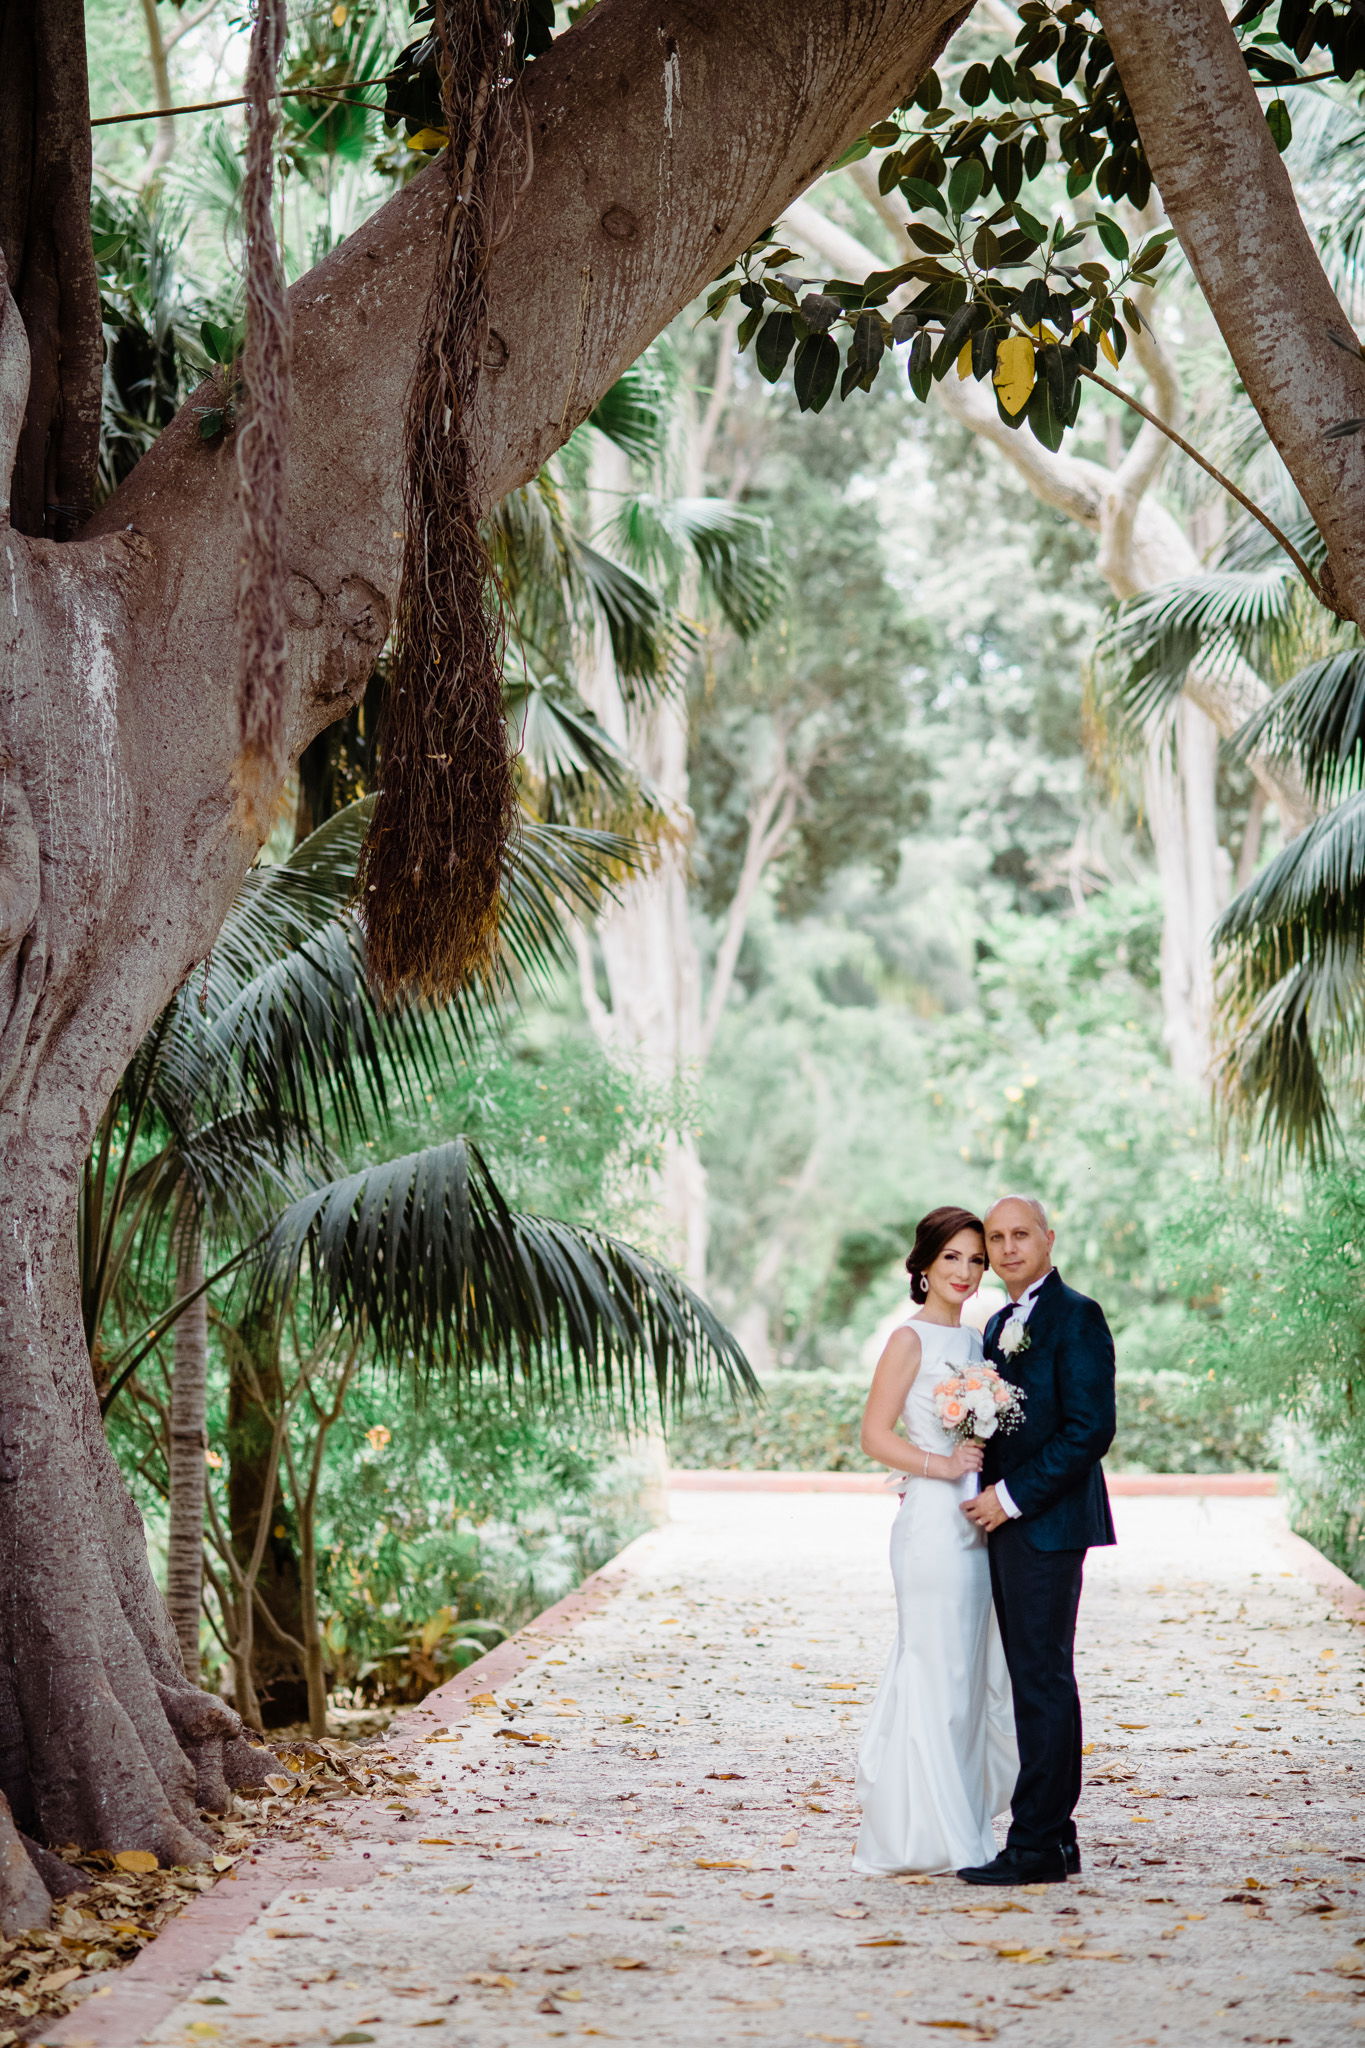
point(1044, 1503)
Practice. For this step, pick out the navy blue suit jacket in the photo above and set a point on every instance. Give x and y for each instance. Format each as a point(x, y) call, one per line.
point(1051, 1461)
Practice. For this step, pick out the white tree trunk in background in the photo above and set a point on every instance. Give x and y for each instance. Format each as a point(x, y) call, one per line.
point(652, 1016)
point(1141, 544)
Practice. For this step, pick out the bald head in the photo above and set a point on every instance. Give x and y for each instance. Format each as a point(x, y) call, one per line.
point(1019, 1241)
point(1028, 1201)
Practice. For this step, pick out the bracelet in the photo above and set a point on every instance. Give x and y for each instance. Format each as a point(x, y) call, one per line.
point(927, 1456)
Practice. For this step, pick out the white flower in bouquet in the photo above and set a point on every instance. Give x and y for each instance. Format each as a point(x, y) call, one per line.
point(973, 1405)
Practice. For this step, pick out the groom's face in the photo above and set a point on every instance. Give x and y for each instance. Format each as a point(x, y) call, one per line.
point(1019, 1248)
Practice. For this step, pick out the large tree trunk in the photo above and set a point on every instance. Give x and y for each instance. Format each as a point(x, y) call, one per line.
point(665, 138)
point(45, 241)
point(1229, 198)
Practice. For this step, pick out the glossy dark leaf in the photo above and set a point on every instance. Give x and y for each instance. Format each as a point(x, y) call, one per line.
point(776, 340)
point(815, 371)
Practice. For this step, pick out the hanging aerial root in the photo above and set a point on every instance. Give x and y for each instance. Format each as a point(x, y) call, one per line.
point(261, 432)
point(431, 868)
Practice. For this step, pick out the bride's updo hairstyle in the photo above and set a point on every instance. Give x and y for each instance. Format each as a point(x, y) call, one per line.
point(932, 1232)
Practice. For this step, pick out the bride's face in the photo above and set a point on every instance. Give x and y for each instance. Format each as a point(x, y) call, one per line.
point(958, 1270)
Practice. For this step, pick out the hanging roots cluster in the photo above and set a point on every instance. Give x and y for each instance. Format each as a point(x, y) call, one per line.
point(263, 421)
point(430, 873)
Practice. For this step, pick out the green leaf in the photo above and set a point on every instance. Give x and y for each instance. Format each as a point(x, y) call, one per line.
point(220, 343)
point(855, 153)
point(814, 372)
point(1112, 236)
point(1002, 80)
point(919, 192)
point(820, 311)
point(929, 239)
point(1280, 125)
point(748, 327)
point(920, 367)
point(1043, 417)
point(776, 340)
point(966, 184)
point(975, 87)
point(864, 354)
point(1031, 225)
point(1035, 156)
point(1007, 169)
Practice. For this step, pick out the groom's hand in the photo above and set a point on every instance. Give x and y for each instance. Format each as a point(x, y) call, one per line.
point(985, 1511)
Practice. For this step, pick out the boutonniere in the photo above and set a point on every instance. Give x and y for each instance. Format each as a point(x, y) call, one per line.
point(1013, 1339)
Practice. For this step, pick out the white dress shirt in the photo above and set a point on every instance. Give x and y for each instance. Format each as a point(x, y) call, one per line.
point(1019, 1312)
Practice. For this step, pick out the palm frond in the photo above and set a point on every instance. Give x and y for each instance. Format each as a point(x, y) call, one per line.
point(1291, 951)
point(1221, 617)
point(424, 1256)
point(635, 412)
point(1317, 720)
point(732, 549)
point(561, 873)
point(640, 625)
point(575, 771)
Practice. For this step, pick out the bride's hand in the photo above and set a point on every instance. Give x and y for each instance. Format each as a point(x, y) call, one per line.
point(966, 1458)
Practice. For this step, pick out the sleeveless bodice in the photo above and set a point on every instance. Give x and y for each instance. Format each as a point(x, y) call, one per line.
point(943, 1351)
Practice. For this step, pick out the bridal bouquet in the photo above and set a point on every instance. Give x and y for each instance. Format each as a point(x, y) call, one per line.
point(973, 1405)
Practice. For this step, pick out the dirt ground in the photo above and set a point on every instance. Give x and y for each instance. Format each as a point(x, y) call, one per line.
point(644, 1835)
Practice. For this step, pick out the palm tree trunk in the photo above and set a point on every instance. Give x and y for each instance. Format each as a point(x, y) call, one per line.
point(189, 1396)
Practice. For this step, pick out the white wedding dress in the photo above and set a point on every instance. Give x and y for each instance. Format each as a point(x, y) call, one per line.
point(939, 1757)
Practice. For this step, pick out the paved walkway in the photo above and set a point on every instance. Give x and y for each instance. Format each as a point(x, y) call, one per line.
point(644, 1836)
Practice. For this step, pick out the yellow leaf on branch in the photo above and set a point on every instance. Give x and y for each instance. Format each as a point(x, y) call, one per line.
point(964, 360)
point(1014, 377)
point(1107, 348)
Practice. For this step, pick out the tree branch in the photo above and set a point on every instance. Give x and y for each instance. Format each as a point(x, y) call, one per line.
point(771, 817)
point(1229, 198)
point(1158, 549)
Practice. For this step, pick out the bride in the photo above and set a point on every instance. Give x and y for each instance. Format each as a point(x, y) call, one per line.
point(939, 1758)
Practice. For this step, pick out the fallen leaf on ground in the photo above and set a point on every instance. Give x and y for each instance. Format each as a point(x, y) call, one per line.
point(497, 1980)
point(627, 1963)
point(723, 1863)
point(851, 1912)
point(138, 1859)
point(57, 1980)
point(789, 1840)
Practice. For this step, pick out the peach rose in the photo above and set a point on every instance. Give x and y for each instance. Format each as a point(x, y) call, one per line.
point(953, 1411)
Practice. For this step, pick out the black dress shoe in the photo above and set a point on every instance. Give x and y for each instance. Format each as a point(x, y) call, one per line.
point(1072, 1852)
point(1045, 1866)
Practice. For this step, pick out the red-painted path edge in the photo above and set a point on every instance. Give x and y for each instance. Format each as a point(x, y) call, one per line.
point(121, 2014)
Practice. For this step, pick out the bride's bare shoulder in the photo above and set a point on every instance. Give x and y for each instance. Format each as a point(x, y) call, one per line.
point(902, 1351)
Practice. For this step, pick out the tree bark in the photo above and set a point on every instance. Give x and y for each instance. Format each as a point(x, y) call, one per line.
point(1229, 198)
point(45, 240)
point(665, 137)
point(185, 1450)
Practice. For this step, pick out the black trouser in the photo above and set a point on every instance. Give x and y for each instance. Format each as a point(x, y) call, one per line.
point(1037, 1593)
